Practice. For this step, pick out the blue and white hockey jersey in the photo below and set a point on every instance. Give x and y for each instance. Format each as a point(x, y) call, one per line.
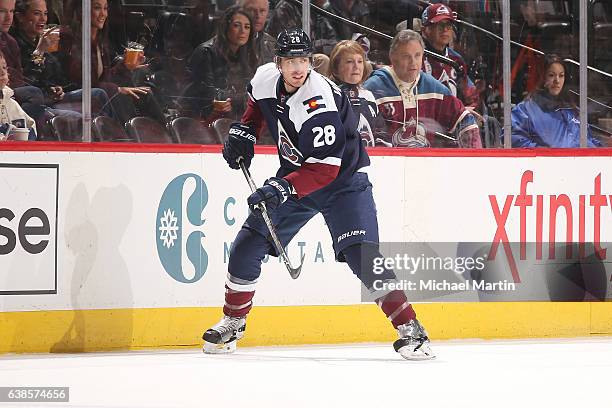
point(365, 107)
point(315, 130)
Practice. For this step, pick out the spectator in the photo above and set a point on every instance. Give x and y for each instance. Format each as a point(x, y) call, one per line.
point(287, 14)
point(170, 51)
point(11, 114)
point(127, 100)
point(221, 68)
point(354, 10)
point(348, 68)
point(264, 43)
point(438, 32)
point(30, 98)
point(174, 37)
point(9, 46)
point(549, 117)
point(418, 110)
point(41, 67)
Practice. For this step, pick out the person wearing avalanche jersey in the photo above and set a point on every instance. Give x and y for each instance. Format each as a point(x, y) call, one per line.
point(418, 110)
point(438, 31)
point(322, 170)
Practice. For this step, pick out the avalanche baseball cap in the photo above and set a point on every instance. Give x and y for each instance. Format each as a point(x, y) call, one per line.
point(434, 13)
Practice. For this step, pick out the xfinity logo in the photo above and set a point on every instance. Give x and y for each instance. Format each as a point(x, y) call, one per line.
point(539, 214)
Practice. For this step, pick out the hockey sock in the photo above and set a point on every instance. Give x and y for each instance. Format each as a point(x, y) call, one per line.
point(246, 254)
point(237, 304)
point(396, 307)
point(394, 304)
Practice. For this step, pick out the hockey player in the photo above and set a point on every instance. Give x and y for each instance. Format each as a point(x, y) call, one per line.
point(322, 169)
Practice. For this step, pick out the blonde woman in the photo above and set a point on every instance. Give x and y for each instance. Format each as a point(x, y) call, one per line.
point(349, 68)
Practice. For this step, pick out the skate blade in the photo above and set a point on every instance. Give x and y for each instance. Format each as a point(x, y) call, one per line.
point(423, 353)
point(223, 348)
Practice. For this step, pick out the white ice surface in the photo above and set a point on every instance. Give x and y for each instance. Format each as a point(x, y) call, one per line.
point(547, 373)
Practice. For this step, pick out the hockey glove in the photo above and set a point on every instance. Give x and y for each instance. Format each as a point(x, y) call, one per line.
point(273, 193)
point(239, 145)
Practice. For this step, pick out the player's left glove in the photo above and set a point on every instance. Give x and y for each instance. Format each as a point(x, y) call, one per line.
point(273, 193)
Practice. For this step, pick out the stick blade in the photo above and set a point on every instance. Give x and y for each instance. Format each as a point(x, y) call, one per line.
point(295, 272)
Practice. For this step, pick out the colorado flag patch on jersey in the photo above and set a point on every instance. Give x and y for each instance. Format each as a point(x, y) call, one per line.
point(313, 103)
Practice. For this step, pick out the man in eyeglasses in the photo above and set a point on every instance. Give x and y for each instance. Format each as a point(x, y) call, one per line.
point(438, 22)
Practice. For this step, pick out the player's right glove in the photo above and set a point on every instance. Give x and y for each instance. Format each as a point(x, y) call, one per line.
point(273, 193)
point(239, 144)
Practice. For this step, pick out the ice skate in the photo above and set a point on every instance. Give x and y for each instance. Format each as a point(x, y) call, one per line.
point(222, 337)
point(413, 343)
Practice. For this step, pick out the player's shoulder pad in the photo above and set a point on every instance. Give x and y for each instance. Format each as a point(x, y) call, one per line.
point(263, 84)
point(317, 95)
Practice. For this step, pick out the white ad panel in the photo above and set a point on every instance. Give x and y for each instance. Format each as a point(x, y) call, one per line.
point(143, 230)
point(457, 198)
point(28, 230)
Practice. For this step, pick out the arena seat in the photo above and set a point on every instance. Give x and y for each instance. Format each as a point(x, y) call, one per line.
point(191, 131)
point(222, 126)
point(67, 129)
point(106, 129)
point(147, 130)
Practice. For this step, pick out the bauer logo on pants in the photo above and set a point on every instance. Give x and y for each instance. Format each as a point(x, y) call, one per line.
point(179, 238)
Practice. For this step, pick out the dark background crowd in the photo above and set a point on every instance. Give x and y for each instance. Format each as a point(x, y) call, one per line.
point(175, 71)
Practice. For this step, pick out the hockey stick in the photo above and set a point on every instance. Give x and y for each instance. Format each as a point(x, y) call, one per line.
point(294, 272)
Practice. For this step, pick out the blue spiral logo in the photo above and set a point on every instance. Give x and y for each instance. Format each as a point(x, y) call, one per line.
point(185, 260)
